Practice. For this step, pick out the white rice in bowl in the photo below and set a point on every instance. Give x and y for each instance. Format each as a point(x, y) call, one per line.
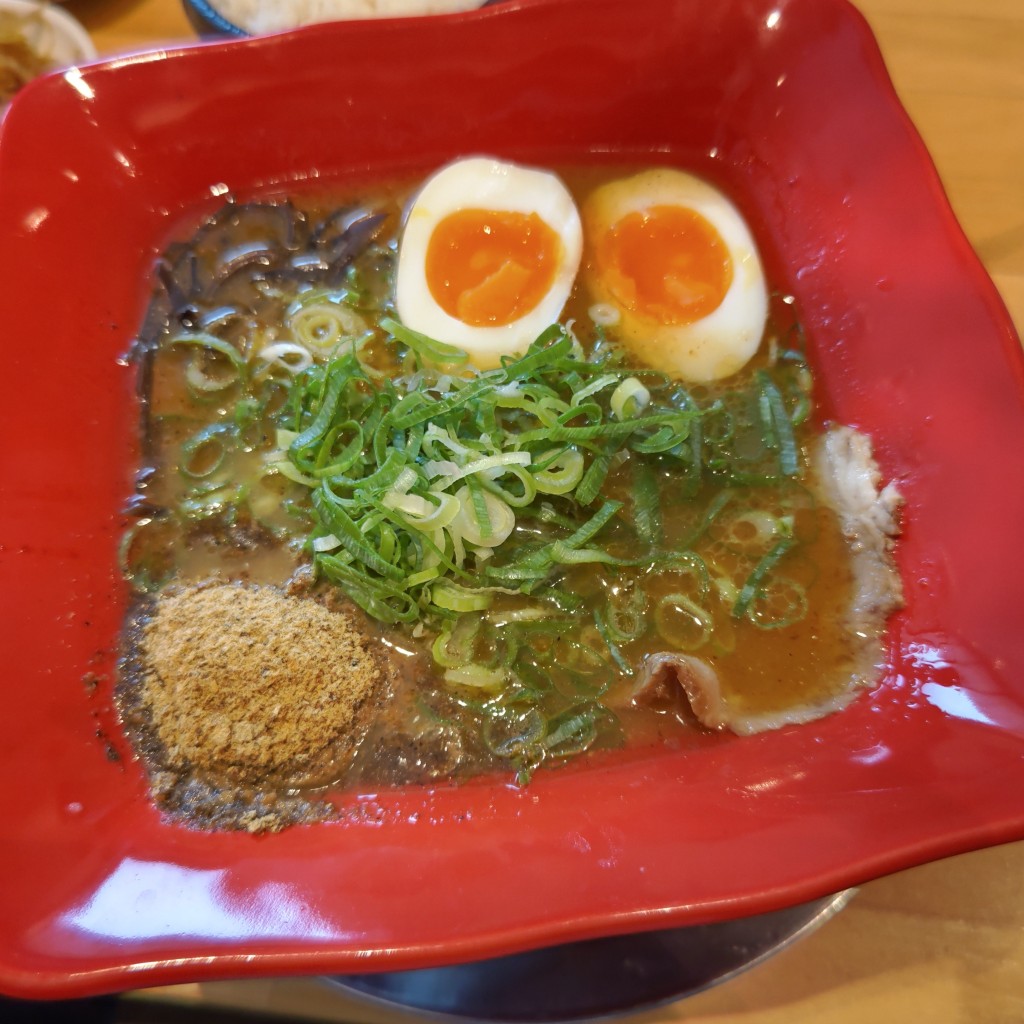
point(261, 16)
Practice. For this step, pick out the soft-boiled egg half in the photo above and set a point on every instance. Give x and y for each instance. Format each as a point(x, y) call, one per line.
point(487, 258)
point(675, 270)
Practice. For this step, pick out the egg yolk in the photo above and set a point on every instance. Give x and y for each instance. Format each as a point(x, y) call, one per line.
point(488, 268)
point(666, 263)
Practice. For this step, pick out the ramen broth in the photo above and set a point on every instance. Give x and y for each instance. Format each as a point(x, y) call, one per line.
point(207, 507)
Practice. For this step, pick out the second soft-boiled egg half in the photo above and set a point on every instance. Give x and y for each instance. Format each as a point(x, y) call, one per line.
point(488, 257)
point(676, 272)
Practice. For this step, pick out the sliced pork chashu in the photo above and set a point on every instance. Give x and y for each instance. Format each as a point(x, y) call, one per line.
point(846, 478)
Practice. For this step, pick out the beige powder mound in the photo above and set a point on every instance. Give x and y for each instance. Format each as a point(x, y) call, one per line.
point(260, 16)
point(251, 683)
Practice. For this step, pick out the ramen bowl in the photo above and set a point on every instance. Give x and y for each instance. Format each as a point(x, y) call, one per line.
point(779, 102)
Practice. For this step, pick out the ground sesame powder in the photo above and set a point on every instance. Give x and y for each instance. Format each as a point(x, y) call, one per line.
point(244, 681)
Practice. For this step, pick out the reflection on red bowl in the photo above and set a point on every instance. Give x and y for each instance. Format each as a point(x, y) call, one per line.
point(788, 105)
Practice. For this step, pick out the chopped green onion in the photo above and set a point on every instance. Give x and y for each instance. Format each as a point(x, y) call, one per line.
point(756, 578)
point(629, 399)
point(204, 453)
point(571, 733)
point(476, 677)
point(326, 543)
point(778, 603)
point(593, 387)
point(789, 457)
point(483, 518)
point(539, 523)
point(211, 343)
point(454, 598)
point(426, 348)
point(647, 504)
point(202, 377)
point(513, 733)
point(486, 465)
point(287, 469)
point(424, 514)
point(683, 623)
point(611, 642)
point(287, 355)
point(625, 617)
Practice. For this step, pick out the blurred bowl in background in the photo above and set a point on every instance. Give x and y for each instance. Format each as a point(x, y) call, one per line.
point(211, 21)
point(208, 22)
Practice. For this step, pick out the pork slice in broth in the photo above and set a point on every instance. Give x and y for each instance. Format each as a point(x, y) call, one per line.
point(846, 478)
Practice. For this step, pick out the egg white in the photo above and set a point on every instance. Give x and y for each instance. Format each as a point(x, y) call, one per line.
point(483, 183)
point(723, 341)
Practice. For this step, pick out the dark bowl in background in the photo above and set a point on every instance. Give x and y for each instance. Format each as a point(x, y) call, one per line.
point(208, 22)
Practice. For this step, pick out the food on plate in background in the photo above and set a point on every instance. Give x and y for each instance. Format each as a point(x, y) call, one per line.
point(20, 59)
point(530, 544)
point(36, 38)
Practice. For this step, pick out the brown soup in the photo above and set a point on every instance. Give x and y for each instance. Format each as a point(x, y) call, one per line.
point(295, 438)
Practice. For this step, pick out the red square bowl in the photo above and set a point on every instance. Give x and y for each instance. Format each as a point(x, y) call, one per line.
point(784, 102)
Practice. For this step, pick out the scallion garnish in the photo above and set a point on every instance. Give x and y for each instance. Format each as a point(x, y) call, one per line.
point(471, 508)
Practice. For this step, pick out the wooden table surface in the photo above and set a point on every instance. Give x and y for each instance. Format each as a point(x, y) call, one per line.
point(942, 943)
